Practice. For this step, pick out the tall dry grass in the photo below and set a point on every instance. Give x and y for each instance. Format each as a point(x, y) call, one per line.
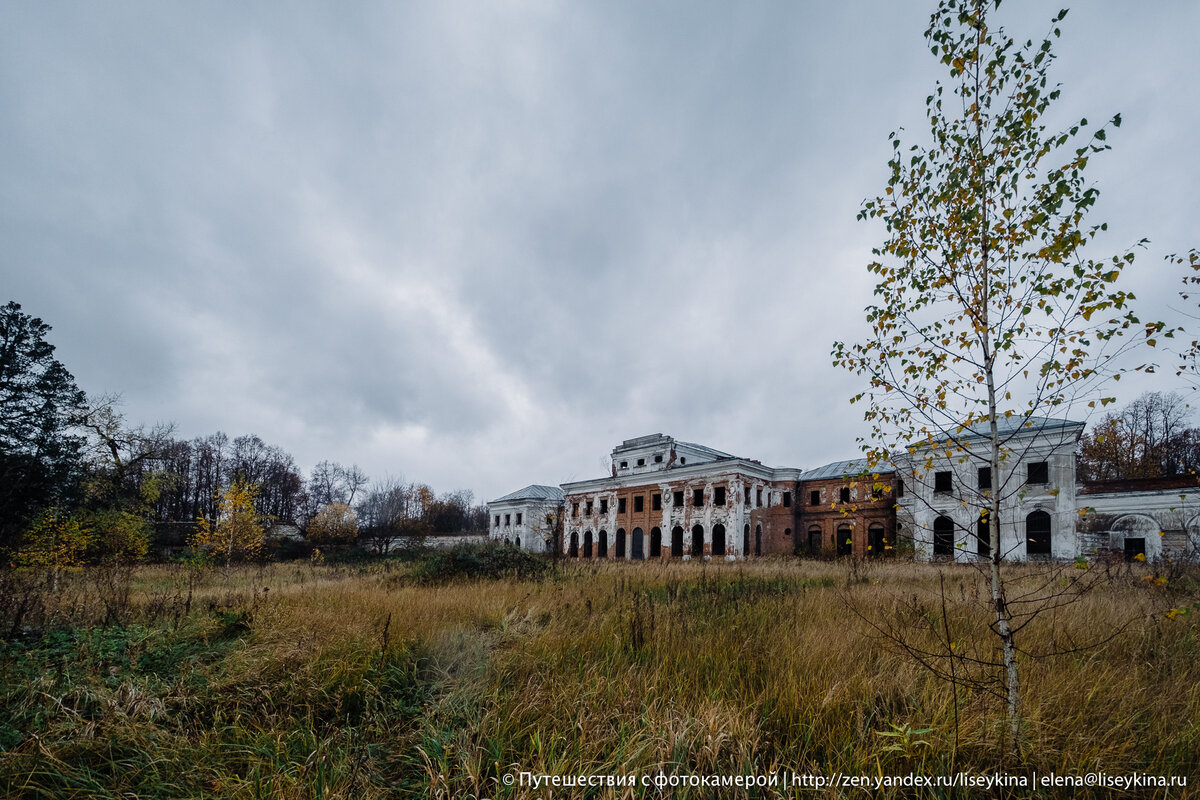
point(299, 680)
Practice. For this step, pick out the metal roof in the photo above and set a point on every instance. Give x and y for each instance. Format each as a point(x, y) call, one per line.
point(1006, 428)
point(845, 469)
point(706, 450)
point(533, 492)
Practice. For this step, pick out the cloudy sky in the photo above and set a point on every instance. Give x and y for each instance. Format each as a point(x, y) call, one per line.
point(478, 244)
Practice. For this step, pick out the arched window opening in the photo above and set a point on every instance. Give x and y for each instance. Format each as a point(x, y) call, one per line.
point(875, 540)
point(620, 543)
point(574, 551)
point(943, 536)
point(677, 542)
point(1037, 534)
point(983, 536)
point(814, 540)
point(638, 552)
point(845, 540)
point(718, 540)
point(602, 547)
point(697, 541)
point(655, 543)
point(587, 544)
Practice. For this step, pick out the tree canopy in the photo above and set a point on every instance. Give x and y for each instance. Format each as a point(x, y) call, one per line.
point(40, 452)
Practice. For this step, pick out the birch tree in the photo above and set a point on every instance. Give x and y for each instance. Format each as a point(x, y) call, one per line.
point(989, 305)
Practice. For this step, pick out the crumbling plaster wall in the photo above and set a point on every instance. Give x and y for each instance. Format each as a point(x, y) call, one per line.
point(734, 515)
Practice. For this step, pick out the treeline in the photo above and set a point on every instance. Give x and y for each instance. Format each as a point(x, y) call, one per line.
point(75, 478)
point(1149, 438)
point(191, 476)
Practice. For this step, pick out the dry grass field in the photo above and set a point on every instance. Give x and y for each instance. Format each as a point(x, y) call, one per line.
point(360, 681)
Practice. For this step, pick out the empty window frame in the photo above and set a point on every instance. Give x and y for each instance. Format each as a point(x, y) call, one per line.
point(1037, 472)
point(506, 519)
point(747, 495)
point(814, 497)
point(639, 504)
point(943, 481)
point(845, 540)
point(589, 507)
point(697, 497)
point(574, 509)
point(620, 505)
point(520, 516)
point(844, 494)
point(758, 498)
point(718, 495)
point(985, 478)
point(1037, 534)
point(603, 505)
point(641, 462)
point(943, 536)
point(677, 497)
point(656, 501)
point(497, 520)
point(624, 465)
point(658, 458)
point(787, 499)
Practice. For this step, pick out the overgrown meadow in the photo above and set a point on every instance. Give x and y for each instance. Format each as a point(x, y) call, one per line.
point(430, 677)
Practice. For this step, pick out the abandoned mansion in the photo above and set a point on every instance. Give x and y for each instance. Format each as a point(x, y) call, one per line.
point(670, 499)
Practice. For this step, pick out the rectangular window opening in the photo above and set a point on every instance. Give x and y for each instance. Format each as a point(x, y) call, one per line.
point(519, 517)
point(656, 501)
point(604, 505)
point(718, 495)
point(814, 497)
point(943, 481)
point(787, 499)
point(620, 505)
point(844, 494)
point(678, 498)
point(1039, 472)
point(638, 504)
point(697, 497)
point(985, 478)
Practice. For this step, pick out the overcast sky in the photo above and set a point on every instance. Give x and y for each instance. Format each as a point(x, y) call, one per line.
point(479, 244)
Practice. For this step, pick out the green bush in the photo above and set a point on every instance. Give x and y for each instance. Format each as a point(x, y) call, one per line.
point(489, 561)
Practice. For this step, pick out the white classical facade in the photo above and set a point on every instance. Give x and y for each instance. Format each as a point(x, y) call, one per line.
point(526, 518)
point(1044, 512)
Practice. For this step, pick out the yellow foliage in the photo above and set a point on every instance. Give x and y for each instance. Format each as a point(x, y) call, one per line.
point(55, 541)
point(237, 533)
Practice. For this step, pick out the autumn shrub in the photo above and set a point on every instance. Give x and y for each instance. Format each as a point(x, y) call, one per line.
point(491, 561)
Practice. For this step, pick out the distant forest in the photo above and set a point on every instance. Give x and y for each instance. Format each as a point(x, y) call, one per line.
point(72, 463)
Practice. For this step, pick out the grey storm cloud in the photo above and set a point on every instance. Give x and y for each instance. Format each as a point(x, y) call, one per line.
point(478, 244)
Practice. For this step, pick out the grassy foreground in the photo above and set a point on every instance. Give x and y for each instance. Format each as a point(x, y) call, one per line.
point(299, 681)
